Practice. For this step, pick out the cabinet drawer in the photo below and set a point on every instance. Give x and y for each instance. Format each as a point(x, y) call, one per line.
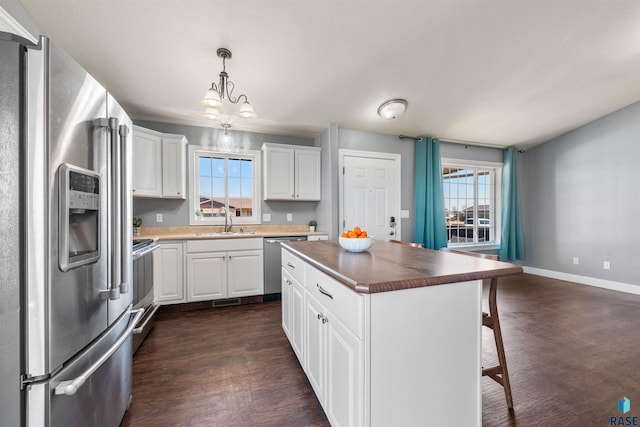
point(293, 265)
point(217, 245)
point(343, 303)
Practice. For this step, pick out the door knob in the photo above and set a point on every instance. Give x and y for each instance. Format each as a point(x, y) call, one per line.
point(392, 233)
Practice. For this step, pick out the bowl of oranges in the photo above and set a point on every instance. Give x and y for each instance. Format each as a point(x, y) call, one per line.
point(356, 240)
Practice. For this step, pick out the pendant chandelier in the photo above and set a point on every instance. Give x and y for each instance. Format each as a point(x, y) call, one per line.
point(215, 96)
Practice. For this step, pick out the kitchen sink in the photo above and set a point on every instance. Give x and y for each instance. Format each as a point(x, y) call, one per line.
point(227, 233)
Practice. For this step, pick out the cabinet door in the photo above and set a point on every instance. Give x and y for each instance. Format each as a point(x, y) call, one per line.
point(206, 276)
point(147, 165)
point(246, 273)
point(345, 375)
point(287, 289)
point(168, 278)
point(307, 174)
point(314, 347)
point(297, 320)
point(278, 174)
point(173, 167)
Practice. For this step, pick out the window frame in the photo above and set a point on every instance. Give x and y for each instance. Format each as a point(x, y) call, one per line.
point(195, 152)
point(497, 196)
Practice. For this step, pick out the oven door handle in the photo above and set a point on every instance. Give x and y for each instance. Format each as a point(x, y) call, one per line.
point(151, 311)
point(71, 387)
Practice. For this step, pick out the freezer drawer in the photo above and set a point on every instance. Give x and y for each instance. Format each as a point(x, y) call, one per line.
point(102, 399)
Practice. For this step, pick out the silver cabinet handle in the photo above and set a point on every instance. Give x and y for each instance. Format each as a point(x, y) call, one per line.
point(323, 292)
point(325, 319)
point(291, 265)
point(140, 328)
point(288, 282)
point(71, 387)
point(319, 316)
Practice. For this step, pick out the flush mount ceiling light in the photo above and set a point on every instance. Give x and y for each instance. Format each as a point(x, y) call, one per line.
point(392, 109)
point(215, 96)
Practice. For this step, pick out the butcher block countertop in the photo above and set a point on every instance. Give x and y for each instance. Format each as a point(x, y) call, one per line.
point(390, 266)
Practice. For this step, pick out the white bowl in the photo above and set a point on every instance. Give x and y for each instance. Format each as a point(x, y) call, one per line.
point(356, 244)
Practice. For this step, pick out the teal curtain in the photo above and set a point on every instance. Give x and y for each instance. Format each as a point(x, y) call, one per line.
point(431, 229)
point(512, 243)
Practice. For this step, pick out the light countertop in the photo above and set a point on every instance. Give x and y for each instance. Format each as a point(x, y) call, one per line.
point(216, 232)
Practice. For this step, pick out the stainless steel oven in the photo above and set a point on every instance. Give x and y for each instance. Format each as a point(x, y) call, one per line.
point(142, 288)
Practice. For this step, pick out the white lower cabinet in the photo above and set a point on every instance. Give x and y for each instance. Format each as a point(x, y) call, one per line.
point(334, 364)
point(400, 358)
point(292, 313)
point(168, 274)
point(224, 269)
point(206, 276)
point(330, 352)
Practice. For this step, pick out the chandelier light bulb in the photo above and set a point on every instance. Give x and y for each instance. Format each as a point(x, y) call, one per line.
point(212, 113)
point(246, 111)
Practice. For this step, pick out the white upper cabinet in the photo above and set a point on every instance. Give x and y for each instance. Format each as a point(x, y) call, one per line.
point(291, 172)
point(158, 164)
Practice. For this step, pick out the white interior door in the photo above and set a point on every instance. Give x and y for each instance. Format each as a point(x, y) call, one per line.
point(370, 193)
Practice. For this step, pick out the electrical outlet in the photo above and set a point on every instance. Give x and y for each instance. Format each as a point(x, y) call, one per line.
point(289, 217)
point(576, 260)
point(606, 265)
point(159, 217)
point(266, 217)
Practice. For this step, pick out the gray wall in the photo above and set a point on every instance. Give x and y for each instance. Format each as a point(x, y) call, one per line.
point(580, 199)
point(327, 209)
point(176, 212)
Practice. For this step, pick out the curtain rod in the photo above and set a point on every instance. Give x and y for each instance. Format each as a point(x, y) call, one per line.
point(457, 141)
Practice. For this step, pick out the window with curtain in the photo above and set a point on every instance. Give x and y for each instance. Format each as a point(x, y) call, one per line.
point(224, 182)
point(472, 202)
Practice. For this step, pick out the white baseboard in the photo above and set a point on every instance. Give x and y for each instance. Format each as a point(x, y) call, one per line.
point(583, 280)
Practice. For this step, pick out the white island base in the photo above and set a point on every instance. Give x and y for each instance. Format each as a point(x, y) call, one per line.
point(403, 358)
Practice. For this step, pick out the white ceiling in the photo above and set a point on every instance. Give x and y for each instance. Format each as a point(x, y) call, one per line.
point(493, 72)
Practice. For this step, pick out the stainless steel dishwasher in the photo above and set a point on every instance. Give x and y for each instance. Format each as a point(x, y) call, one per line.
point(272, 265)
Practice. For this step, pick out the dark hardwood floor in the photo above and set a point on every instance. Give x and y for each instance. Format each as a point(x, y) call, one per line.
point(573, 351)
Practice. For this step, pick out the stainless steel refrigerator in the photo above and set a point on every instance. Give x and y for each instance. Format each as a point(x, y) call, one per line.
point(65, 228)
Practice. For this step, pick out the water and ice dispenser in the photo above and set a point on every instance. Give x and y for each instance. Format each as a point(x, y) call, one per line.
point(79, 232)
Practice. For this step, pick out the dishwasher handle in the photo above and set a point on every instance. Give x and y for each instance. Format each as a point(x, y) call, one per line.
point(296, 239)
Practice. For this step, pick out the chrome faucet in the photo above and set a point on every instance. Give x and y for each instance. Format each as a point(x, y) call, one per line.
point(227, 226)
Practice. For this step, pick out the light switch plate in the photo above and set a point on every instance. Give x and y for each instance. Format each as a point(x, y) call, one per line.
point(159, 217)
point(266, 217)
point(404, 213)
point(289, 217)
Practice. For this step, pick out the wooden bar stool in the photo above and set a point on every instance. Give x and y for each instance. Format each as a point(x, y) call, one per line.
point(498, 373)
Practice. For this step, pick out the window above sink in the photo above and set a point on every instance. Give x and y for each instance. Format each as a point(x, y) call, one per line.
point(224, 182)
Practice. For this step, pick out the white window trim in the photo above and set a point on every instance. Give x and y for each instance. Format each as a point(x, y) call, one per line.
point(194, 151)
point(498, 202)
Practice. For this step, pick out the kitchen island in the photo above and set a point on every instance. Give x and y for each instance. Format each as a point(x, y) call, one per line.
point(389, 336)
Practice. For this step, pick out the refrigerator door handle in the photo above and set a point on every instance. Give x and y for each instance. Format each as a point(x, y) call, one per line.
point(126, 211)
point(116, 209)
point(71, 387)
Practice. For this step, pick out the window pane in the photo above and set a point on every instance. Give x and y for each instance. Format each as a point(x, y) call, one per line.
point(225, 181)
point(469, 206)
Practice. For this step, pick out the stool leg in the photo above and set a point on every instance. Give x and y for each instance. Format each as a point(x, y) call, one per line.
point(497, 334)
